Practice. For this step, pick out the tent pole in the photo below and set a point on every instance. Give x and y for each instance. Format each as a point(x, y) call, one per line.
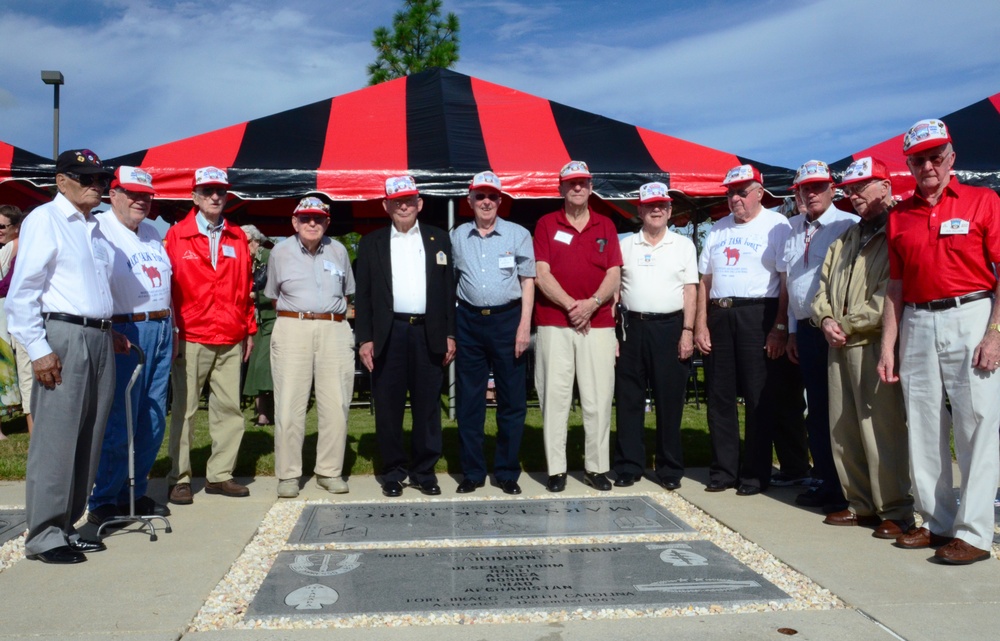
point(451, 367)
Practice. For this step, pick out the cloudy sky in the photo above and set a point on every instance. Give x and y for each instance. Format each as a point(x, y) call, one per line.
point(773, 80)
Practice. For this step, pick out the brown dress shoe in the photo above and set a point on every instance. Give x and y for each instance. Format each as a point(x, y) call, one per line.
point(892, 529)
point(921, 538)
point(229, 487)
point(846, 517)
point(958, 552)
point(180, 494)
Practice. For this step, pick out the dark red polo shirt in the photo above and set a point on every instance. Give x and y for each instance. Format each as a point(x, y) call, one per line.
point(579, 260)
point(935, 265)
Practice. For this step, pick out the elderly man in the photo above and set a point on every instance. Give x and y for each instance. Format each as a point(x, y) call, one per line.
point(867, 419)
point(60, 308)
point(579, 269)
point(494, 270)
point(944, 243)
point(309, 276)
point(658, 296)
point(215, 321)
point(140, 287)
point(813, 231)
point(405, 329)
point(740, 328)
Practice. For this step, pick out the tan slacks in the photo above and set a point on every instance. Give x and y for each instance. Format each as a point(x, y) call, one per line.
point(25, 373)
point(868, 434)
point(562, 355)
point(306, 353)
point(220, 365)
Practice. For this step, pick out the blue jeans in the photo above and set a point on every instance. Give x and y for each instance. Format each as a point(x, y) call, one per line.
point(149, 412)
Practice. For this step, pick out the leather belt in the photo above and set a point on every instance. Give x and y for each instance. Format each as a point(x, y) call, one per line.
point(487, 311)
point(735, 301)
point(412, 319)
point(141, 316)
point(949, 303)
point(649, 316)
point(103, 324)
point(312, 316)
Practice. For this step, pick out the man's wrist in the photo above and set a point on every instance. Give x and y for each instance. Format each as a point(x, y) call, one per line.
point(994, 326)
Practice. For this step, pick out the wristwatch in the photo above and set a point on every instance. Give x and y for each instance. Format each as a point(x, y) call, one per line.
point(597, 300)
point(781, 327)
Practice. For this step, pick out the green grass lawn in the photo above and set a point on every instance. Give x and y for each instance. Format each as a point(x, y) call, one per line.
point(257, 451)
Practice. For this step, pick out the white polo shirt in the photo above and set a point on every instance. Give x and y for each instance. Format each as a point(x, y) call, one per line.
point(654, 276)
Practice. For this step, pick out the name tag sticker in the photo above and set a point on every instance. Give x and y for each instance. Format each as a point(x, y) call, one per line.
point(646, 260)
point(564, 237)
point(101, 252)
point(329, 266)
point(955, 226)
point(507, 262)
point(229, 251)
point(442, 258)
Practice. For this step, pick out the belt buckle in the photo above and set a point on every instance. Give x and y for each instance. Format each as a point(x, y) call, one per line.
point(411, 320)
point(105, 324)
point(485, 312)
point(725, 303)
point(301, 315)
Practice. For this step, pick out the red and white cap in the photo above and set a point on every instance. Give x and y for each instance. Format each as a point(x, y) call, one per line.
point(210, 176)
point(311, 205)
point(654, 193)
point(574, 169)
point(925, 135)
point(812, 171)
point(742, 174)
point(133, 179)
point(400, 186)
point(485, 180)
point(864, 169)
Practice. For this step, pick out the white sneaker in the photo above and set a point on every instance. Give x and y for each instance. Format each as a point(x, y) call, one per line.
point(334, 484)
point(288, 489)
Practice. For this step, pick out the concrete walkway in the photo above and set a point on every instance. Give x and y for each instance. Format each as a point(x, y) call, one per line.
point(146, 590)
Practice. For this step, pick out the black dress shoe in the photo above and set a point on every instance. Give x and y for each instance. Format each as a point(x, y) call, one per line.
point(63, 555)
point(670, 483)
point(104, 513)
point(719, 486)
point(748, 490)
point(430, 488)
point(510, 486)
point(392, 488)
point(467, 486)
point(87, 546)
point(626, 479)
point(557, 483)
point(597, 481)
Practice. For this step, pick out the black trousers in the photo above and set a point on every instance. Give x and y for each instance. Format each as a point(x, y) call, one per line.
point(648, 359)
point(789, 428)
point(406, 365)
point(738, 366)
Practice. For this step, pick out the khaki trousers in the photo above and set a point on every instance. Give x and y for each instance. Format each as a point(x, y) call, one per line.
point(220, 365)
point(563, 355)
point(305, 353)
point(25, 373)
point(868, 434)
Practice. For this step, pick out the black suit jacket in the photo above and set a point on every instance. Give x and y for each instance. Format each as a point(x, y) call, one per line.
point(373, 290)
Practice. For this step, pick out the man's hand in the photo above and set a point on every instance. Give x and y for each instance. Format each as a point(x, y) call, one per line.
point(792, 349)
point(48, 370)
point(247, 347)
point(177, 346)
point(775, 344)
point(522, 340)
point(685, 348)
point(887, 367)
point(366, 351)
point(833, 333)
point(449, 356)
point(987, 354)
point(703, 339)
point(581, 311)
point(120, 342)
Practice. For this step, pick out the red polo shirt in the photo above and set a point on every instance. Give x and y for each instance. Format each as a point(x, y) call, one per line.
point(579, 261)
point(933, 263)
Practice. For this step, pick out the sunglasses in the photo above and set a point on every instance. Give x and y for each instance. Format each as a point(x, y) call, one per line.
point(493, 197)
point(306, 220)
point(86, 180)
point(3, 227)
point(213, 191)
point(743, 193)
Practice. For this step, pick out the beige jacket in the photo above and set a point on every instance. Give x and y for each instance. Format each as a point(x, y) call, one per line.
point(852, 286)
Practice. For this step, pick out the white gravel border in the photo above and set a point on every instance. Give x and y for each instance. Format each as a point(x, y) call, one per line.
point(227, 604)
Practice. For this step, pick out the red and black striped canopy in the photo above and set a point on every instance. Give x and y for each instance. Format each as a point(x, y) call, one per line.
point(23, 177)
point(441, 127)
point(975, 134)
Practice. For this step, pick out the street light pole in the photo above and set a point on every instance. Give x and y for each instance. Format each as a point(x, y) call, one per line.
point(54, 78)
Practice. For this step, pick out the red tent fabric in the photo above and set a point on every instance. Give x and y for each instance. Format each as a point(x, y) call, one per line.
point(441, 127)
point(24, 177)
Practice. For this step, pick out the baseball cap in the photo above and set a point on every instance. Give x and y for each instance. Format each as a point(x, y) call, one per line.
point(312, 205)
point(485, 180)
point(925, 134)
point(654, 192)
point(574, 169)
point(812, 171)
point(133, 179)
point(210, 176)
point(864, 169)
point(742, 174)
point(80, 161)
point(400, 186)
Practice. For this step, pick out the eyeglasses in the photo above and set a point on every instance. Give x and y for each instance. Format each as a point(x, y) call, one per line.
point(86, 180)
point(134, 195)
point(920, 161)
point(306, 219)
point(661, 205)
point(858, 189)
point(208, 192)
point(491, 196)
point(743, 193)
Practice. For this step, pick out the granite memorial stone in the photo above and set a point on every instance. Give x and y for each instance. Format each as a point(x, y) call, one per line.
point(13, 523)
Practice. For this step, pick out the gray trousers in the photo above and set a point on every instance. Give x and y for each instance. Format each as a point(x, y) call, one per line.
point(66, 439)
